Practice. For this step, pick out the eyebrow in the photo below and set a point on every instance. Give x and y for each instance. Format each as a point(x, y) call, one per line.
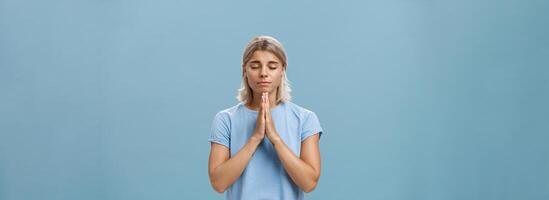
point(270, 62)
point(255, 61)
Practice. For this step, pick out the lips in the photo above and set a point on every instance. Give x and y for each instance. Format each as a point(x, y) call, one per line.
point(263, 83)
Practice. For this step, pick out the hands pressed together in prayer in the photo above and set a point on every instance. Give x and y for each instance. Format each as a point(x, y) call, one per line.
point(303, 168)
point(265, 125)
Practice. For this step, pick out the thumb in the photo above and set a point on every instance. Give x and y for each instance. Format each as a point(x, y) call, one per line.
point(266, 110)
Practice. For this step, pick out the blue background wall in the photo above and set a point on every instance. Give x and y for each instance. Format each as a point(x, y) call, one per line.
point(419, 99)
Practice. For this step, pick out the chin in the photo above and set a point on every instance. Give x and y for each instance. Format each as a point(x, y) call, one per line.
point(264, 89)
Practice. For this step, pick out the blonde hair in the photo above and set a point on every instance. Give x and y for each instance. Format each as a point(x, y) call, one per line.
point(270, 44)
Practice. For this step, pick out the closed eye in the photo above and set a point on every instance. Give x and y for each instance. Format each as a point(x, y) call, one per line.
point(273, 65)
point(254, 65)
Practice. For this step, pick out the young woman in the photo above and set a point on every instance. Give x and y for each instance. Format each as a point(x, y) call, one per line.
point(265, 147)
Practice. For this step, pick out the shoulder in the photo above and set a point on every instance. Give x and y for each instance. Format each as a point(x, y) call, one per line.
point(300, 111)
point(229, 112)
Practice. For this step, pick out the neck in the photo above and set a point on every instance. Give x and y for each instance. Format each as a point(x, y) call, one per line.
point(256, 101)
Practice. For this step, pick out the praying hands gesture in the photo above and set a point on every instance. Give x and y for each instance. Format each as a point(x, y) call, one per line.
point(265, 124)
point(303, 169)
point(263, 69)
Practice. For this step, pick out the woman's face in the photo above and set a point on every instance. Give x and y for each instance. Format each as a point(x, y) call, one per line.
point(264, 72)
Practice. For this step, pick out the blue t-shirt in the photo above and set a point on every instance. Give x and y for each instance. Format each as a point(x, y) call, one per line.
point(264, 177)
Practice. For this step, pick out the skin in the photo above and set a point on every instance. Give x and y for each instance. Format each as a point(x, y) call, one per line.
point(304, 170)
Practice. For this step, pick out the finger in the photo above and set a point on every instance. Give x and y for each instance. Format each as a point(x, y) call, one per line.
point(266, 114)
point(264, 109)
point(268, 103)
point(266, 100)
point(262, 99)
point(265, 106)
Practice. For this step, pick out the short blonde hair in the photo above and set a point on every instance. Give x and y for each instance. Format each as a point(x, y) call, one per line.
point(270, 44)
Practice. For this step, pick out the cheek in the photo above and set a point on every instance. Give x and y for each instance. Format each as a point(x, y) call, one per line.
point(249, 80)
point(250, 77)
point(279, 77)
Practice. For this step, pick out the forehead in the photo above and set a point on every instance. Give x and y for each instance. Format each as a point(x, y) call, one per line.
point(265, 56)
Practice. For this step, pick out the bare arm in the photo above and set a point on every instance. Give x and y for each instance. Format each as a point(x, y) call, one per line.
point(304, 170)
point(223, 171)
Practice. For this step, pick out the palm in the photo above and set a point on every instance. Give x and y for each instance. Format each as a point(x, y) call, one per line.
point(270, 130)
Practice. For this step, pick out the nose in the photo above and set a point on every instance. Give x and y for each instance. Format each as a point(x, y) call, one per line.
point(263, 72)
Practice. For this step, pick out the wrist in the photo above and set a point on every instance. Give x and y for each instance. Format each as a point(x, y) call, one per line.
point(255, 138)
point(275, 138)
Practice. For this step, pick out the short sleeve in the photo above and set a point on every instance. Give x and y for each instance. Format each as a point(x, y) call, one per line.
point(219, 132)
point(310, 126)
